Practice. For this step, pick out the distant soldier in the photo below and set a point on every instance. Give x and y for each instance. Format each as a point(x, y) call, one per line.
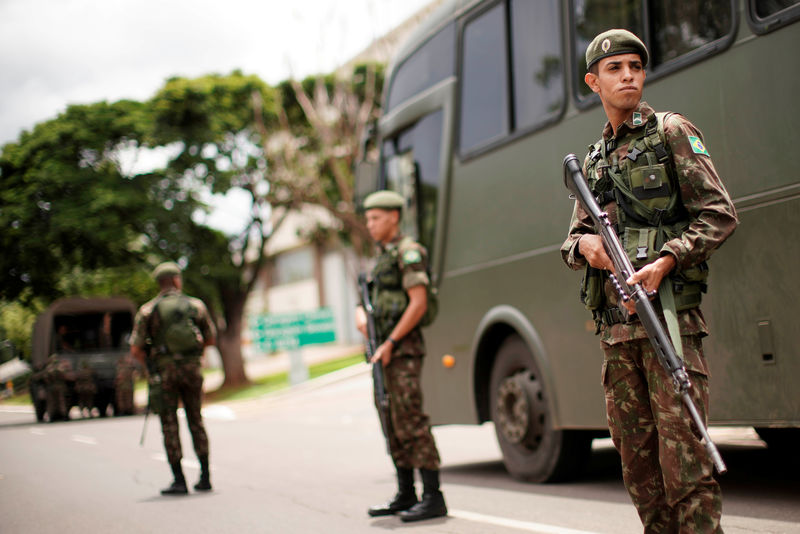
point(400, 281)
point(56, 375)
point(123, 386)
point(170, 333)
point(85, 388)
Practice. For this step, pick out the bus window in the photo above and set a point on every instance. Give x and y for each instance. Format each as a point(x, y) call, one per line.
point(484, 80)
point(767, 8)
point(674, 29)
point(678, 28)
point(411, 167)
point(432, 63)
point(536, 59)
point(596, 16)
point(768, 15)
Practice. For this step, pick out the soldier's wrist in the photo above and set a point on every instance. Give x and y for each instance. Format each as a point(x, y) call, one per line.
point(393, 341)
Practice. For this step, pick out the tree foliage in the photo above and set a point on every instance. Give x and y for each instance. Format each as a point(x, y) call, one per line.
point(82, 216)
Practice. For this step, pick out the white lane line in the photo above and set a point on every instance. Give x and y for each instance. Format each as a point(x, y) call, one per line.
point(38, 431)
point(88, 440)
point(527, 526)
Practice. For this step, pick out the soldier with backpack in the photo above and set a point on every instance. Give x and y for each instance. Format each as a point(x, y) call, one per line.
point(653, 175)
point(403, 301)
point(169, 335)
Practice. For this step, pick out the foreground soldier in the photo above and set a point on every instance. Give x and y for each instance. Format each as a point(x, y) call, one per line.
point(654, 177)
point(399, 283)
point(169, 335)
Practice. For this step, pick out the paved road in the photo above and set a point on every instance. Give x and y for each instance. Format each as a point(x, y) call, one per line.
point(310, 460)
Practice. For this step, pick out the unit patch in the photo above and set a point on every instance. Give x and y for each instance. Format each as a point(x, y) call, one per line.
point(412, 256)
point(697, 146)
point(637, 118)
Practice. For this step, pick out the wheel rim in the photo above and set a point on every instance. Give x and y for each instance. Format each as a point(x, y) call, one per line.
point(521, 410)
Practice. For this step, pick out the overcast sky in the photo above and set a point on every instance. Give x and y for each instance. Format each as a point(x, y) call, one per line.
point(59, 52)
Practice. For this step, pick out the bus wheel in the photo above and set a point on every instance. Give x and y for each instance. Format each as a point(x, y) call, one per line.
point(532, 449)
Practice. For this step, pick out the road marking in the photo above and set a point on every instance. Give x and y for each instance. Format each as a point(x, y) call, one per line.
point(38, 432)
point(88, 440)
point(528, 526)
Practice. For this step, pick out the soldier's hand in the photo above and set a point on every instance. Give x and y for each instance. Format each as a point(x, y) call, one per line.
point(383, 354)
point(590, 246)
point(650, 275)
point(361, 320)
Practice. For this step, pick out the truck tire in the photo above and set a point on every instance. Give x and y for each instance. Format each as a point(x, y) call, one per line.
point(532, 449)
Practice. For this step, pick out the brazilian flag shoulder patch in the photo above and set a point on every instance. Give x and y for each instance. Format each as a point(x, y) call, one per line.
point(697, 146)
point(412, 256)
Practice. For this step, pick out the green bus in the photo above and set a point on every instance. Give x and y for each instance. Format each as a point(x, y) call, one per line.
point(482, 104)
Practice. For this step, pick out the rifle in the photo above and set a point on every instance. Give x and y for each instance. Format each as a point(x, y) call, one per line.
point(673, 365)
point(144, 426)
point(379, 390)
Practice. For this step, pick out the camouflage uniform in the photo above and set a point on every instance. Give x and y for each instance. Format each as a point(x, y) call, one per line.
point(57, 373)
point(85, 387)
point(665, 468)
point(180, 378)
point(123, 387)
point(401, 265)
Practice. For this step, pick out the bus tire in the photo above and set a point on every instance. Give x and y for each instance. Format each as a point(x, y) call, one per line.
point(532, 449)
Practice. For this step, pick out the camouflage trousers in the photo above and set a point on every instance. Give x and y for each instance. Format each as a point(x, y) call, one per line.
point(182, 380)
point(411, 442)
point(664, 465)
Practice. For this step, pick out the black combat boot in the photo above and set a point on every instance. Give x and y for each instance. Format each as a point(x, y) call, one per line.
point(432, 503)
point(204, 484)
point(178, 486)
point(406, 496)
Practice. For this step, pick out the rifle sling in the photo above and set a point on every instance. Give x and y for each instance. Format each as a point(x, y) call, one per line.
point(670, 314)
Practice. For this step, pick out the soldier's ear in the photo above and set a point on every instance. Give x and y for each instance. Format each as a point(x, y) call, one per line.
point(592, 82)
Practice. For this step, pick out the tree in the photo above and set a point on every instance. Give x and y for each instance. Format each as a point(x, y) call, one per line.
point(65, 203)
point(313, 148)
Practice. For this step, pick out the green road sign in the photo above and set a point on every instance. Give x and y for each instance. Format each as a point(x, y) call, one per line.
point(276, 331)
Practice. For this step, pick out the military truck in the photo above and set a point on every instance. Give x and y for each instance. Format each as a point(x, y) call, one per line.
point(83, 331)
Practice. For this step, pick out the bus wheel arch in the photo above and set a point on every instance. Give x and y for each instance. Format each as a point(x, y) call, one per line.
point(513, 388)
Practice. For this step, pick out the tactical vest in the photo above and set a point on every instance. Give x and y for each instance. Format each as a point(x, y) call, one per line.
point(389, 298)
point(644, 185)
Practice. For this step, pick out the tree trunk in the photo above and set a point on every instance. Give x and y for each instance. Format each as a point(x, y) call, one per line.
point(230, 339)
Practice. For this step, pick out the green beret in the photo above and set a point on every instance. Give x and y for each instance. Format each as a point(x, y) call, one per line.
point(165, 269)
point(387, 200)
point(613, 43)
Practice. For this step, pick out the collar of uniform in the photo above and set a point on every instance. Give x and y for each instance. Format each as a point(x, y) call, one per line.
point(645, 112)
point(391, 244)
point(170, 291)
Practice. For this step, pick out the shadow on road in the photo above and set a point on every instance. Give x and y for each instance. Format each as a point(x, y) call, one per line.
point(759, 482)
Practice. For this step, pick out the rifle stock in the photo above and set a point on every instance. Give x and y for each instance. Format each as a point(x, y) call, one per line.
point(379, 390)
point(656, 333)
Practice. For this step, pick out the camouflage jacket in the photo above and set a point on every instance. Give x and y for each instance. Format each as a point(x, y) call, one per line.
point(710, 211)
point(401, 264)
point(142, 324)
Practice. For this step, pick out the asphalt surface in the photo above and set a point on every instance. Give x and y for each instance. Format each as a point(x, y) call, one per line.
point(311, 459)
